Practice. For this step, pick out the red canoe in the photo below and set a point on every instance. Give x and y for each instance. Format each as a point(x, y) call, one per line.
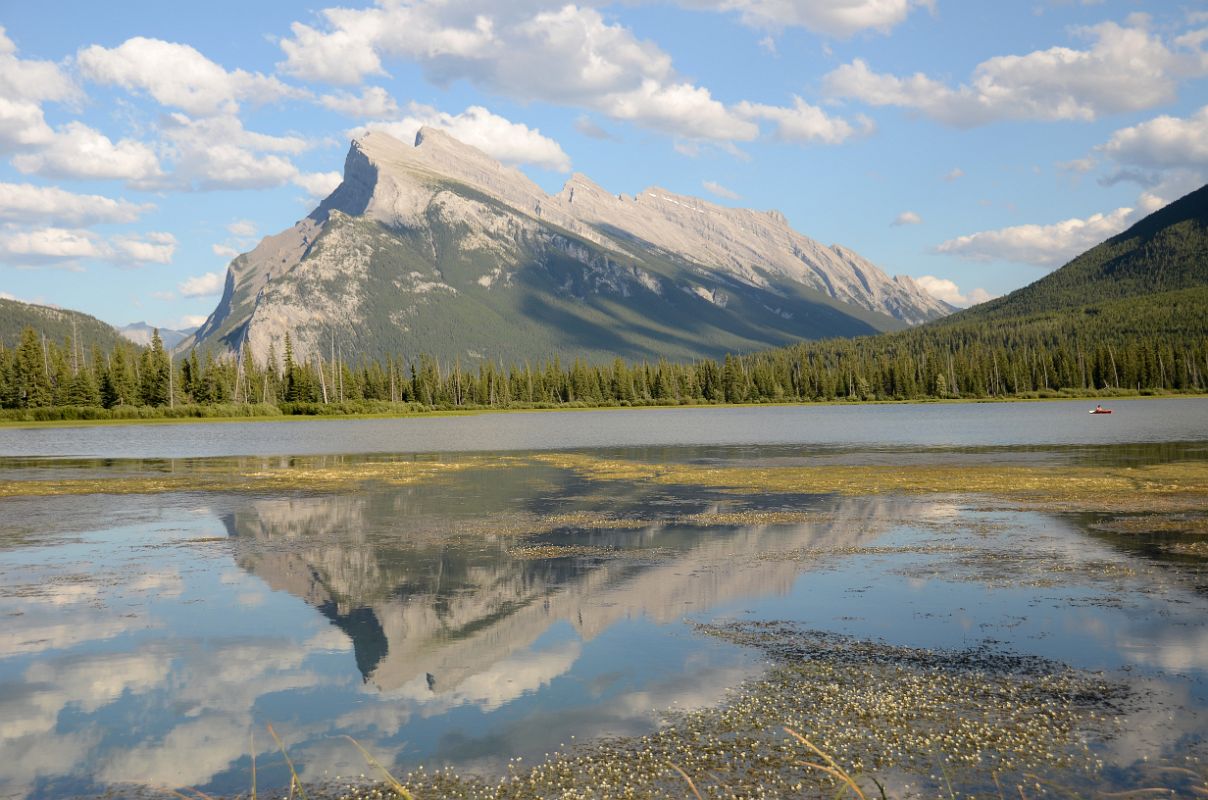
point(1101, 411)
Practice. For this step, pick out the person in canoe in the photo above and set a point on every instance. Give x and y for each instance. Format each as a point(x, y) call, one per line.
point(1101, 410)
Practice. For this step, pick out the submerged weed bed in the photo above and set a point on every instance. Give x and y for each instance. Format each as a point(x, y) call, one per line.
point(268, 475)
point(1178, 485)
point(916, 722)
point(1170, 487)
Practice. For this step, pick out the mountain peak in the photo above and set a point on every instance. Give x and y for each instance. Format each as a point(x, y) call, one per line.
point(407, 173)
point(436, 137)
point(580, 185)
point(459, 235)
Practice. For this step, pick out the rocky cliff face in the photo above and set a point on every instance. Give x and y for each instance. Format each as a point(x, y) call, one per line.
point(436, 248)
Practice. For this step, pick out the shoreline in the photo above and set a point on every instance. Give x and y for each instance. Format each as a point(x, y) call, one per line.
point(464, 412)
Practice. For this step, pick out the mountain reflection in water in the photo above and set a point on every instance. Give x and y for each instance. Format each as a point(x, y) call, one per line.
point(431, 602)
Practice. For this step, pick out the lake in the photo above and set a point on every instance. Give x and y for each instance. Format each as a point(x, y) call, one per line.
point(854, 426)
point(476, 593)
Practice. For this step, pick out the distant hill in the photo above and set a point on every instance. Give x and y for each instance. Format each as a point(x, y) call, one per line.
point(1165, 255)
point(1130, 314)
point(141, 332)
point(55, 324)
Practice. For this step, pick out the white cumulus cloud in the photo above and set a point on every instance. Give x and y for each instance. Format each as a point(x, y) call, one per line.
point(374, 101)
point(78, 151)
point(558, 53)
point(189, 321)
point(219, 153)
point(22, 123)
point(498, 137)
point(907, 218)
point(680, 109)
point(24, 202)
point(211, 283)
point(804, 122)
point(1163, 142)
point(343, 55)
point(1125, 68)
point(67, 246)
point(178, 75)
point(947, 290)
point(570, 55)
point(24, 85)
point(318, 184)
point(1040, 245)
point(48, 245)
point(150, 248)
point(840, 19)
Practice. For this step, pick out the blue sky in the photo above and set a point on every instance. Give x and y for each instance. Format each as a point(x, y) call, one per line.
point(972, 145)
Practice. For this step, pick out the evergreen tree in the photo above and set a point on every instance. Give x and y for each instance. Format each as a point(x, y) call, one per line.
point(153, 373)
point(32, 372)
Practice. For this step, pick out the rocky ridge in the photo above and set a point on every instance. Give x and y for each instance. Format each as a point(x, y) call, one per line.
point(419, 235)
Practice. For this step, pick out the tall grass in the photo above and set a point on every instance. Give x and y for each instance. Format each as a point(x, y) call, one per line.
point(70, 413)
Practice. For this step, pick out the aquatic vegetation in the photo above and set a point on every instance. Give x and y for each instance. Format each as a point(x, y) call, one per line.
point(1171, 486)
point(833, 714)
point(592, 520)
point(1189, 548)
point(1168, 488)
point(268, 475)
point(541, 551)
point(1156, 523)
point(882, 707)
point(1035, 569)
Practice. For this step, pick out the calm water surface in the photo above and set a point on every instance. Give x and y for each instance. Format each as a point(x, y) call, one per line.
point(144, 638)
point(862, 426)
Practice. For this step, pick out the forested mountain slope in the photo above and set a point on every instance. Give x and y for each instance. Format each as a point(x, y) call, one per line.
point(56, 324)
point(1128, 314)
point(1164, 252)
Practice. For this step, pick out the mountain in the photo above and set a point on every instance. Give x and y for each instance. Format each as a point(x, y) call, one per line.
point(56, 324)
point(140, 333)
point(1162, 256)
point(435, 248)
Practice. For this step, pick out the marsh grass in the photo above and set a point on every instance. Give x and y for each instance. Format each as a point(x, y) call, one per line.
point(1176, 493)
point(391, 781)
point(294, 781)
point(270, 475)
point(832, 768)
point(1168, 488)
point(1192, 524)
point(1181, 485)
